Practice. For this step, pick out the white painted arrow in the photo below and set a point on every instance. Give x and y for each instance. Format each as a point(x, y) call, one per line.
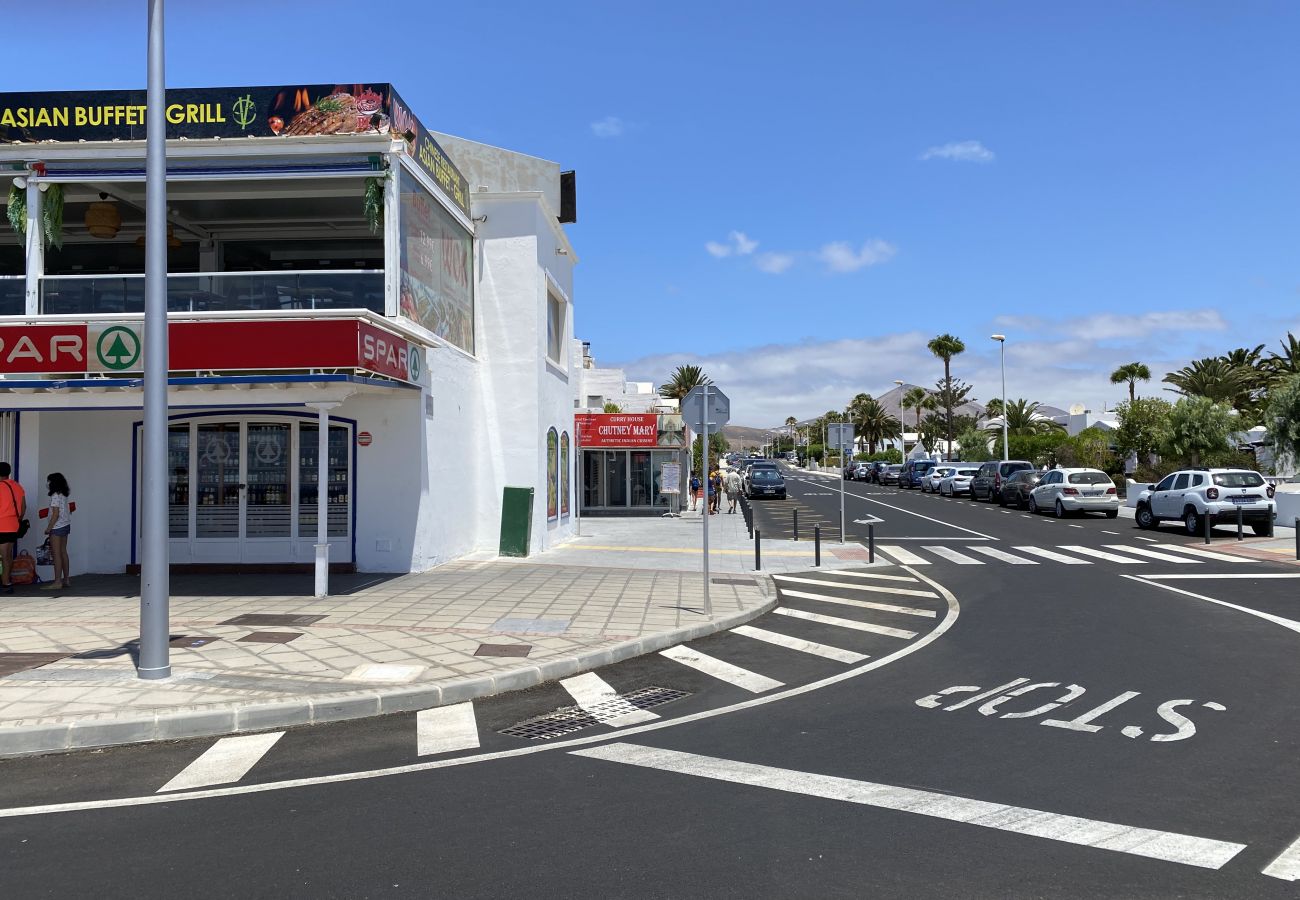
point(869, 520)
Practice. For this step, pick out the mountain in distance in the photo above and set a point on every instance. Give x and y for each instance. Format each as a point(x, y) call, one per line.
point(741, 438)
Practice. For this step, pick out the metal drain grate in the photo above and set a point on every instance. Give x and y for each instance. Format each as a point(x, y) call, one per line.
point(745, 581)
point(569, 719)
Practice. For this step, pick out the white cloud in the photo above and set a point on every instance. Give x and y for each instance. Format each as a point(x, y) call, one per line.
point(609, 127)
point(1118, 326)
point(840, 257)
point(774, 263)
point(804, 379)
point(961, 151)
point(738, 243)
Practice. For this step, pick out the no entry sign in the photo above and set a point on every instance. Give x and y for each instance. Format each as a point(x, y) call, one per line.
point(364, 438)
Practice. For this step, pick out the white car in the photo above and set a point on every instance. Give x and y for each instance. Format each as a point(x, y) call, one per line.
point(930, 480)
point(1192, 495)
point(1065, 491)
point(957, 481)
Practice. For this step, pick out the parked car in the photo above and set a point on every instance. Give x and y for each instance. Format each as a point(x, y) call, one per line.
point(889, 474)
point(930, 480)
point(1193, 495)
point(1066, 491)
point(755, 466)
point(988, 483)
point(913, 472)
point(861, 472)
point(957, 481)
point(1015, 490)
point(765, 482)
point(877, 467)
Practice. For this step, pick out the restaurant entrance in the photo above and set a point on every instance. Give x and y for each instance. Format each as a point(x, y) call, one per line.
point(621, 481)
point(243, 490)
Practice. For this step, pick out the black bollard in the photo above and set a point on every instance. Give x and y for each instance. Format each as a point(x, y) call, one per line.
point(1239, 535)
point(871, 543)
point(1207, 528)
point(817, 545)
point(796, 524)
point(1297, 538)
point(758, 552)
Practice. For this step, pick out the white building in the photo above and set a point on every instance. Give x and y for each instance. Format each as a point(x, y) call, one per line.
point(331, 260)
point(596, 387)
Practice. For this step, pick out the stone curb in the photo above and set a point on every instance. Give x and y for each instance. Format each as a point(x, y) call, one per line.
point(26, 740)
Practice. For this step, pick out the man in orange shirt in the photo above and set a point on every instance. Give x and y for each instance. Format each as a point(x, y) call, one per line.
point(13, 507)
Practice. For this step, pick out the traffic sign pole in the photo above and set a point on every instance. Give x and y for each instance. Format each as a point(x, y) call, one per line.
point(843, 537)
point(708, 487)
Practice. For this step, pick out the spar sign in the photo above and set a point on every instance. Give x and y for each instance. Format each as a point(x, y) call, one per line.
point(210, 346)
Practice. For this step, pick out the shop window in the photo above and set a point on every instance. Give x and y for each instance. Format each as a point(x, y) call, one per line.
point(556, 309)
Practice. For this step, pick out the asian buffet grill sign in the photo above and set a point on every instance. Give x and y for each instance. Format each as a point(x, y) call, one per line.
point(224, 346)
point(233, 112)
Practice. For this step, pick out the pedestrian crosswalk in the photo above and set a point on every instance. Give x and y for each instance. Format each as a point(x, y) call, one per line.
point(835, 620)
point(1064, 554)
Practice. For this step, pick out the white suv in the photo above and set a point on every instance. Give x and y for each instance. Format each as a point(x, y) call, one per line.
point(1192, 495)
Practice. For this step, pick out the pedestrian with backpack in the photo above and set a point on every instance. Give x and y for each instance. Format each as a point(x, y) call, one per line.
point(13, 512)
point(695, 490)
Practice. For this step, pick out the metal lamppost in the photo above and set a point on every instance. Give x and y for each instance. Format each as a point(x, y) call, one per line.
point(155, 588)
point(902, 423)
point(1002, 342)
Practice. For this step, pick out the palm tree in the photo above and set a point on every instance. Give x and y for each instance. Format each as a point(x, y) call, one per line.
point(1023, 420)
point(683, 380)
point(919, 399)
point(1281, 365)
point(874, 424)
point(790, 422)
point(945, 346)
point(1132, 373)
point(1213, 378)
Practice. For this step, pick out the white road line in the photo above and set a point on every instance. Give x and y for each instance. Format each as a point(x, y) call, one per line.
point(1104, 531)
point(862, 604)
point(919, 516)
point(904, 557)
point(953, 556)
point(1287, 864)
point(597, 697)
point(845, 623)
point(1200, 576)
point(1166, 846)
point(1148, 540)
point(1206, 554)
point(782, 640)
point(1005, 557)
point(1073, 525)
point(1276, 620)
point(446, 729)
point(874, 575)
point(1153, 554)
point(723, 671)
point(1102, 554)
point(225, 762)
point(1054, 556)
point(876, 588)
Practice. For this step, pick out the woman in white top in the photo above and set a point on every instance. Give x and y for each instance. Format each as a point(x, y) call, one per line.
point(57, 530)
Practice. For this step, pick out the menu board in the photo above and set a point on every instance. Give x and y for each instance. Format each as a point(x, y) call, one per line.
point(436, 260)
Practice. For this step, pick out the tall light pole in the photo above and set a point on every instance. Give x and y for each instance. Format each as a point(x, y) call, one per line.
point(902, 425)
point(1002, 342)
point(155, 661)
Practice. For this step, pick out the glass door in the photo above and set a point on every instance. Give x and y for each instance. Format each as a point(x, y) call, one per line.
point(267, 495)
point(217, 487)
point(178, 481)
point(309, 476)
point(615, 478)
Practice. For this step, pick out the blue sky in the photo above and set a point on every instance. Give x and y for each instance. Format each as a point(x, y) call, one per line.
point(797, 198)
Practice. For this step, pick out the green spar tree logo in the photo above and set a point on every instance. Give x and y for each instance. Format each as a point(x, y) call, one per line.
point(245, 111)
point(118, 348)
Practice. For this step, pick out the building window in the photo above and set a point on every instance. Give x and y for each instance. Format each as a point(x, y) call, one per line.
point(595, 401)
point(555, 313)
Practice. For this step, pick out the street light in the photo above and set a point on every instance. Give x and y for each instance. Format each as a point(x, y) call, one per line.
point(902, 427)
point(1002, 342)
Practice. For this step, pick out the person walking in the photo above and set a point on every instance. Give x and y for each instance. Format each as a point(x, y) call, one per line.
point(734, 488)
point(57, 530)
point(715, 492)
point(13, 508)
point(695, 490)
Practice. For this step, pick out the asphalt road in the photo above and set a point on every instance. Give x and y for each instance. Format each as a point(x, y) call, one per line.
point(972, 724)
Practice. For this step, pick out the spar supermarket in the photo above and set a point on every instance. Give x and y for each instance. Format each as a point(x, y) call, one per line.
point(333, 266)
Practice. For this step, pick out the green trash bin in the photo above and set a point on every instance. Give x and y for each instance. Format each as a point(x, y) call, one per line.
point(516, 520)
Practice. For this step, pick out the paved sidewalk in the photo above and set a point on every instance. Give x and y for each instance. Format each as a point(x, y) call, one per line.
point(382, 644)
point(677, 544)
